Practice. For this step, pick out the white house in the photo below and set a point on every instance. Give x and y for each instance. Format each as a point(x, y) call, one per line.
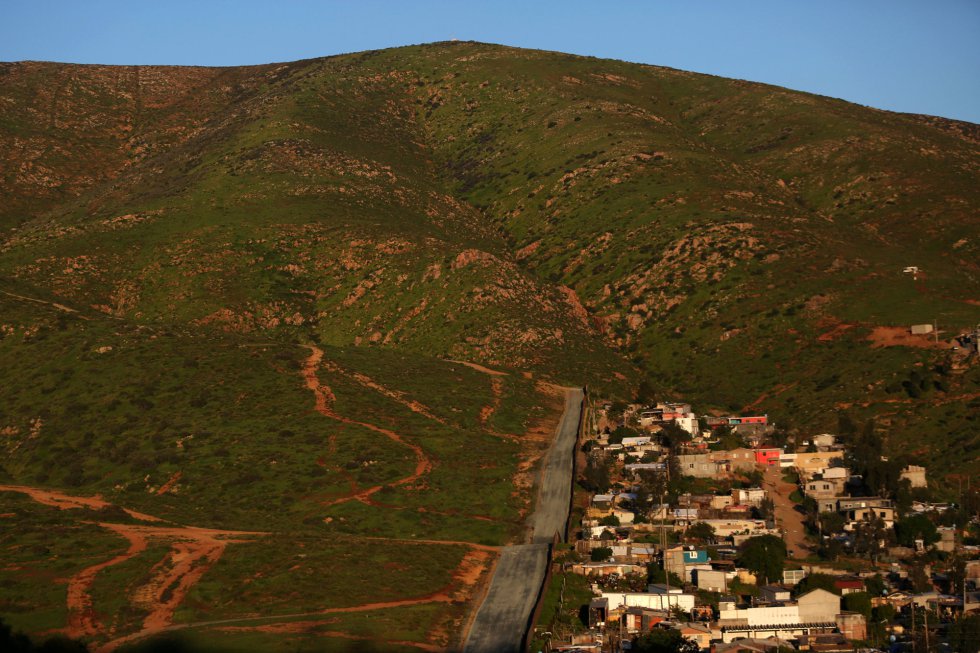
point(677, 599)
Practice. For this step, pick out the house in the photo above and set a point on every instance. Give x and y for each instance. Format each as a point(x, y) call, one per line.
point(635, 441)
point(824, 643)
point(689, 422)
point(849, 585)
point(824, 441)
point(858, 509)
point(793, 576)
point(741, 459)
point(700, 465)
point(810, 463)
point(852, 625)
point(697, 633)
point(767, 456)
point(915, 475)
point(634, 469)
point(748, 645)
point(598, 612)
point(713, 580)
point(754, 419)
point(666, 601)
point(625, 517)
point(947, 539)
point(684, 517)
point(681, 561)
point(641, 620)
point(753, 496)
point(818, 606)
point(721, 501)
point(728, 527)
point(827, 504)
point(606, 568)
point(651, 416)
point(774, 594)
point(822, 486)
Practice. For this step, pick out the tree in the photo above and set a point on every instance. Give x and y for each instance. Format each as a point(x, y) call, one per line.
point(817, 581)
point(957, 575)
point(595, 477)
point(920, 579)
point(764, 556)
point(726, 438)
point(859, 602)
point(870, 537)
point(701, 532)
point(831, 522)
point(875, 585)
point(879, 477)
point(20, 643)
point(664, 640)
point(601, 553)
point(657, 574)
point(609, 520)
point(916, 527)
point(964, 635)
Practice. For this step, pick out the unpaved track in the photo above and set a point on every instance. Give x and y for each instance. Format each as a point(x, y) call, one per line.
point(81, 616)
point(324, 400)
point(64, 501)
point(788, 518)
point(502, 620)
point(193, 552)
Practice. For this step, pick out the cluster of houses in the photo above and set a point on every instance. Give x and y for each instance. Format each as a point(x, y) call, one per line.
point(625, 532)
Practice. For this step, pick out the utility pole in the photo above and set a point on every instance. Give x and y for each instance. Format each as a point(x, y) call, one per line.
point(926, 612)
point(913, 626)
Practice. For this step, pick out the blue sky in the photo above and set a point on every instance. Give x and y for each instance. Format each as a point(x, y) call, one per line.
point(921, 56)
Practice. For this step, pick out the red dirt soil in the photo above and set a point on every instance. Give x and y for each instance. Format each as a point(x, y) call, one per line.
point(479, 368)
point(66, 502)
point(169, 484)
point(787, 517)
point(835, 332)
point(324, 405)
point(884, 336)
point(193, 551)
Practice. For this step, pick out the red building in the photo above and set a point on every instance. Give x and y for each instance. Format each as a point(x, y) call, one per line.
point(768, 456)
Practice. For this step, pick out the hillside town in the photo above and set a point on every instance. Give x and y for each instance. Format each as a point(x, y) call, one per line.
point(725, 534)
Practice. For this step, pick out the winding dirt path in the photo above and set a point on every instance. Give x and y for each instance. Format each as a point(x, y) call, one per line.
point(193, 552)
point(64, 501)
point(478, 367)
point(465, 581)
point(81, 616)
point(395, 395)
point(497, 392)
point(324, 400)
point(60, 307)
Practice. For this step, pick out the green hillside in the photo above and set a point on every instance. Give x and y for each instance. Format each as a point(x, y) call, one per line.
point(176, 243)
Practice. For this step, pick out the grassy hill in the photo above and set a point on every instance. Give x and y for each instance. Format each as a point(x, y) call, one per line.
point(175, 243)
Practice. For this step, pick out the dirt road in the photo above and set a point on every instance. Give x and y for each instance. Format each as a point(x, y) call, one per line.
point(324, 400)
point(502, 620)
point(788, 518)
